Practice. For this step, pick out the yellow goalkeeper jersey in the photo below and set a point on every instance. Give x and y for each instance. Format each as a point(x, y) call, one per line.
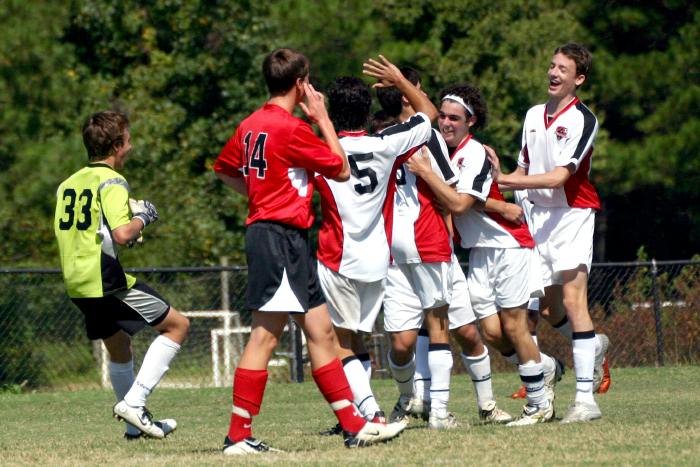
point(90, 204)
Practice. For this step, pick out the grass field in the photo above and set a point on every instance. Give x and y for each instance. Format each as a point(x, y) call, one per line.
point(650, 416)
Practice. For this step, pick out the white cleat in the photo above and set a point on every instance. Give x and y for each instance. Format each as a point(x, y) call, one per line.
point(599, 359)
point(373, 433)
point(246, 447)
point(448, 422)
point(168, 425)
point(551, 379)
point(582, 412)
point(140, 417)
point(491, 414)
point(419, 408)
point(532, 415)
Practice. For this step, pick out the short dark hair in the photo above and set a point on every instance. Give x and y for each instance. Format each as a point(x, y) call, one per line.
point(579, 54)
point(472, 96)
point(281, 69)
point(349, 101)
point(381, 120)
point(390, 98)
point(103, 132)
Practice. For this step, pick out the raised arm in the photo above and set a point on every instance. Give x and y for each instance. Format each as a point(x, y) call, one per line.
point(315, 109)
point(390, 76)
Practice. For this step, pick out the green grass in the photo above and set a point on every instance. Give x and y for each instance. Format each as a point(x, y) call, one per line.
point(650, 416)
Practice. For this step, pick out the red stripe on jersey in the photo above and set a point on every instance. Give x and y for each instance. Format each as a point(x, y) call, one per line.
point(519, 231)
point(330, 240)
point(388, 208)
point(548, 123)
point(430, 230)
point(580, 192)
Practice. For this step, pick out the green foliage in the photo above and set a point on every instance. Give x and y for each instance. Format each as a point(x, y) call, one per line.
point(188, 72)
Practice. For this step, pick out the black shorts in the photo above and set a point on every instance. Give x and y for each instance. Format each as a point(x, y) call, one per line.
point(128, 310)
point(282, 274)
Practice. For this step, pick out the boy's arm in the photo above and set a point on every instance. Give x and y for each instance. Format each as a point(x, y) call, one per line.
point(511, 212)
point(315, 110)
point(237, 183)
point(128, 232)
point(390, 76)
point(457, 203)
point(518, 180)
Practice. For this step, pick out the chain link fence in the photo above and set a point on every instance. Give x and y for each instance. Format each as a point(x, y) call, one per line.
point(648, 309)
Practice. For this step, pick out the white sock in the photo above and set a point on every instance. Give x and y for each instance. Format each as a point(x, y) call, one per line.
point(440, 362)
point(479, 369)
point(421, 379)
point(403, 375)
point(564, 328)
point(584, 360)
point(534, 338)
point(533, 379)
point(156, 362)
point(549, 366)
point(598, 345)
point(361, 390)
point(366, 364)
point(122, 377)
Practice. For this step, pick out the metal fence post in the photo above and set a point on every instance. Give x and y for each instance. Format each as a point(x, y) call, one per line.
point(226, 306)
point(296, 351)
point(657, 314)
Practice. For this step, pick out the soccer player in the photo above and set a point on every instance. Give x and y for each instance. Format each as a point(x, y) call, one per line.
point(420, 236)
point(271, 159)
point(353, 251)
point(92, 218)
point(553, 165)
point(501, 250)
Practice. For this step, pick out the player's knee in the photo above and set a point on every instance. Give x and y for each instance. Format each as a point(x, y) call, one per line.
point(468, 337)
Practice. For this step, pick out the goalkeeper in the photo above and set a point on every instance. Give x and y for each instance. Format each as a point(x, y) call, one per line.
point(93, 217)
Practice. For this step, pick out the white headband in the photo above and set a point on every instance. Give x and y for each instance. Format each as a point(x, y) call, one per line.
point(461, 102)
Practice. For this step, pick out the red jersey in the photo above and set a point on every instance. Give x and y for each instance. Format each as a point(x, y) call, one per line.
point(278, 154)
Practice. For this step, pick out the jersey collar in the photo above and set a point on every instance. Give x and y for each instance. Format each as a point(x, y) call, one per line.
point(547, 124)
point(463, 143)
point(99, 164)
point(352, 133)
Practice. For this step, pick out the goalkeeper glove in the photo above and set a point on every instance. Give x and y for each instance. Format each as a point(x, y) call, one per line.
point(144, 210)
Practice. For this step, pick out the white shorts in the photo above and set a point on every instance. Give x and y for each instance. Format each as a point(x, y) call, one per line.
point(564, 238)
point(499, 278)
point(352, 304)
point(402, 307)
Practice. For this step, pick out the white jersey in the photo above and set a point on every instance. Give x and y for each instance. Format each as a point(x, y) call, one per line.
point(355, 233)
point(565, 139)
point(478, 228)
point(419, 232)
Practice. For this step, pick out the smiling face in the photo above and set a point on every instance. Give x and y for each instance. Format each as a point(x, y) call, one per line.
point(453, 122)
point(563, 79)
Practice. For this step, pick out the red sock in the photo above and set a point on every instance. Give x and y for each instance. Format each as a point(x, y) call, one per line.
point(248, 390)
point(333, 384)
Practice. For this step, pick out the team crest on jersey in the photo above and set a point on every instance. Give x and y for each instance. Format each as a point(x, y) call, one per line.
point(561, 132)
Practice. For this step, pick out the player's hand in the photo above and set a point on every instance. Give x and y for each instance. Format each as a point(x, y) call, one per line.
point(144, 210)
point(513, 213)
point(419, 162)
point(495, 163)
point(135, 242)
point(315, 106)
point(386, 72)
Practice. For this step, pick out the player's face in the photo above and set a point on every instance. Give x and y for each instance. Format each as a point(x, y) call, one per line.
point(563, 80)
point(453, 122)
point(123, 152)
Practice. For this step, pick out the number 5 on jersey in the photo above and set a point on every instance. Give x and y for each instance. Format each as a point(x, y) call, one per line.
point(257, 159)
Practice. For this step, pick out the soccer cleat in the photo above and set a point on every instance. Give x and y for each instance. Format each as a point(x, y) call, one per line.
point(247, 446)
point(491, 414)
point(598, 370)
point(373, 433)
point(401, 410)
point(419, 408)
point(532, 415)
point(582, 412)
point(606, 382)
point(140, 417)
point(551, 380)
point(448, 422)
point(379, 417)
point(520, 393)
point(168, 425)
point(335, 430)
